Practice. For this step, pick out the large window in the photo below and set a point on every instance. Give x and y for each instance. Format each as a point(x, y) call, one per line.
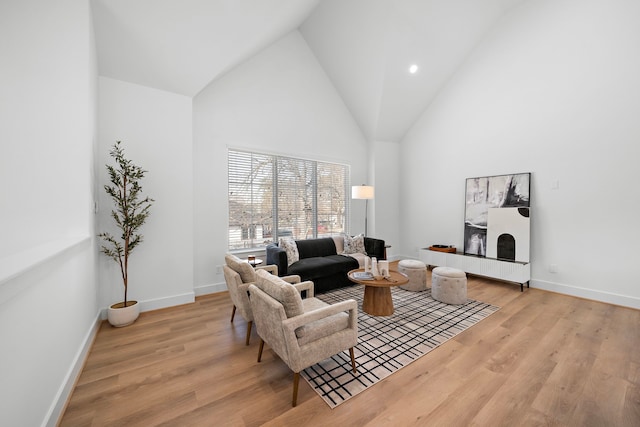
point(274, 196)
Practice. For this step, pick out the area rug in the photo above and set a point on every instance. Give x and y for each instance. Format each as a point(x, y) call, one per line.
point(387, 344)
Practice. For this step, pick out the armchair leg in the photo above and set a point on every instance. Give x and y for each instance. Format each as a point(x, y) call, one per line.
point(249, 324)
point(353, 360)
point(260, 349)
point(233, 313)
point(296, 380)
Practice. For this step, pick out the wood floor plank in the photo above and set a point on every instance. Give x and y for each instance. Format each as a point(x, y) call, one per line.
point(523, 385)
point(463, 405)
point(603, 401)
point(542, 359)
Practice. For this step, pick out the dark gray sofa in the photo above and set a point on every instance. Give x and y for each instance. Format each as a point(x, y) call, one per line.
point(320, 262)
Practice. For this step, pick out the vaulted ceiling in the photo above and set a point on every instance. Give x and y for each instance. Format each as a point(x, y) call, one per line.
point(365, 46)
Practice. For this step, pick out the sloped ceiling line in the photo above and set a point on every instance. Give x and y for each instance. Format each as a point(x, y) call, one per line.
point(364, 46)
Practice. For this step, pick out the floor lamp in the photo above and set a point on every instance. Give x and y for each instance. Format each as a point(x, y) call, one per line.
point(363, 192)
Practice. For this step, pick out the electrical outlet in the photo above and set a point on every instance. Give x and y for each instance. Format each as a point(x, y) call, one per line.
point(219, 269)
point(553, 268)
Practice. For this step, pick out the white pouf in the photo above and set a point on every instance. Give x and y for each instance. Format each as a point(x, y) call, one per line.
point(449, 285)
point(416, 271)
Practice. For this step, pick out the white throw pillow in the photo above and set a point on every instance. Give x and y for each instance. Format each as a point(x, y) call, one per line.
point(339, 241)
point(346, 244)
point(354, 245)
point(357, 244)
point(290, 247)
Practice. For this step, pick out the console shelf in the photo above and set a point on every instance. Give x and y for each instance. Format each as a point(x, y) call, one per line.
point(510, 271)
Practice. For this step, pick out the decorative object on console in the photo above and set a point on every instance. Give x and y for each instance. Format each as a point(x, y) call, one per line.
point(494, 192)
point(366, 192)
point(443, 248)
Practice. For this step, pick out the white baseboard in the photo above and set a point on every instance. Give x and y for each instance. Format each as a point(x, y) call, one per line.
point(210, 289)
point(608, 297)
point(60, 402)
point(158, 303)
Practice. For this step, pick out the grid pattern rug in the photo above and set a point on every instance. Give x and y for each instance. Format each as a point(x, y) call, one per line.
point(387, 344)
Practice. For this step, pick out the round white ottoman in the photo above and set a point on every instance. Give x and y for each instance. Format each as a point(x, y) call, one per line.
point(449, 285)
point(416, 271)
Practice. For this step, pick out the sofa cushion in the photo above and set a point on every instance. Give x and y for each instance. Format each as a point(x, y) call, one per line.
point(316, 247)
point(315, 267)
point(283, 292)
point(291, 248)
point(243, 268)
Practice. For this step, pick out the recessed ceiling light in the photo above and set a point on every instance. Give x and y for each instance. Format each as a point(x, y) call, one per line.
point(413, 69)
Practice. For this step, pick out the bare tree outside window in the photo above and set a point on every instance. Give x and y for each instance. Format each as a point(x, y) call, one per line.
point(274, 196)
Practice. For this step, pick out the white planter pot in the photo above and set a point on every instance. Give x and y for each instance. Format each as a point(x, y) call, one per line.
point(120, 316)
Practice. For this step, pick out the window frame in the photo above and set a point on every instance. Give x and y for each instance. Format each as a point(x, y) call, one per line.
point(234, 174)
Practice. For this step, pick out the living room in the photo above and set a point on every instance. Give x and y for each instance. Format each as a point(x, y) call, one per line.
point(547, 87)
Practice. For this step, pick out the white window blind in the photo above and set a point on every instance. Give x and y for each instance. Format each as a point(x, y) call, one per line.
point(275, 196)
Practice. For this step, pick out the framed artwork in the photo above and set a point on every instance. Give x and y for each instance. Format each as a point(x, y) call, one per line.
point(496, 192)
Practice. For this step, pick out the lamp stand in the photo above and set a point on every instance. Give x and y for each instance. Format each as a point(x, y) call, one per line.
point(366, 214)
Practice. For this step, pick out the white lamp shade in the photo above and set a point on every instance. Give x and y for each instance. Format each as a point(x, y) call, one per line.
point(362, 192)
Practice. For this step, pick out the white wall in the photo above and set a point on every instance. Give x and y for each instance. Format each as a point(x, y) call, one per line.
point(386, 208)
point(48, 311)
point(43, 95)
point(155, 129)
point(279, 101)
point(552, 90)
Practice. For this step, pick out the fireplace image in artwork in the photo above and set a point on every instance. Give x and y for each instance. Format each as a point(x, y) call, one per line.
point(508, 231)
point(506, 247)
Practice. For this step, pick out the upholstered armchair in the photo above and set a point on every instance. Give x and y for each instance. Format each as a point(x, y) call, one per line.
point(238, 275)
point(302, 332)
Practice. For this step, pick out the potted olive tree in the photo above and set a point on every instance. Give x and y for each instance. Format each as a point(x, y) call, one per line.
point(130, 212)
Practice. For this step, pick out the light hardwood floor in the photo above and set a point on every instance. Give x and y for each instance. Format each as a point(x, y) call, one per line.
point(542, 359)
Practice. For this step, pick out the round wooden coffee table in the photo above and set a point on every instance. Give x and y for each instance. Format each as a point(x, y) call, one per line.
point(377, 293)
